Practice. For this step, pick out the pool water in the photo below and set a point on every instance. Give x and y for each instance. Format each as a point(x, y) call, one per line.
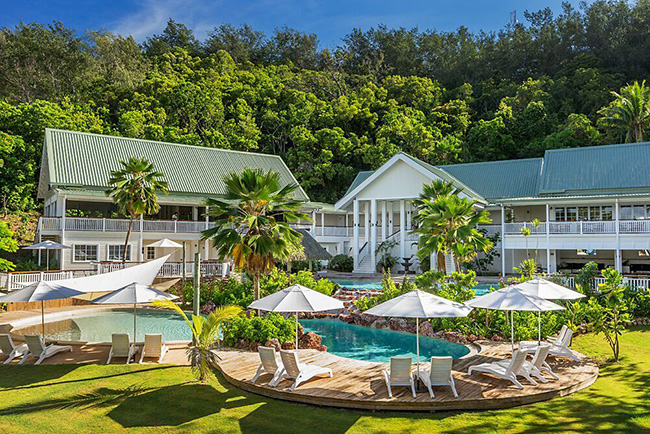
point(358, 283)
point(484, 288)
point(378, 345)
point(99, 326)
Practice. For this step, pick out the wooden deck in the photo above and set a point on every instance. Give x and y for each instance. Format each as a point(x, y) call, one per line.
point(360, 385)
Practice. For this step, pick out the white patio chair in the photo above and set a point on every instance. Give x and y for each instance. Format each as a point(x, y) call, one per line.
point(299, 372)
point(560, 349)
point(439, 374)
point(10, 349)
point(399, 374)
point(153, 347)
point(539, 364)
point(268, 365)
point(559, 337)
point(39, 350)
point(121, 347)
point(506, 369)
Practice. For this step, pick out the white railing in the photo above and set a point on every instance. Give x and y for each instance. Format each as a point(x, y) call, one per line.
point(19, 280)
point(171, 269)
point(490, 229)
point(634, 226)
point(636, 283)
point(86, 224)
point(516, 228)
point(578, 227)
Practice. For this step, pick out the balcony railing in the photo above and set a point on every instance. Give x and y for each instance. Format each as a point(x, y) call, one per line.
point(85, 224)
point(171, 269)
point(577, 227)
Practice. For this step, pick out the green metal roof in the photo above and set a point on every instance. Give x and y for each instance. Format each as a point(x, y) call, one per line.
point(98, 194)
point(596, 168)
point(361, 176)
point(499, 179)
point(85, 160)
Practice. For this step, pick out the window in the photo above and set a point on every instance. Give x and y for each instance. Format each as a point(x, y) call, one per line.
point(116, 251)
point(151, 253)
point(594, 213)
point(572, 214)
point(638, 212)
point(626, 212)
point(560, 215)
point(583, 213)
point(85, 252)
point(606, 213)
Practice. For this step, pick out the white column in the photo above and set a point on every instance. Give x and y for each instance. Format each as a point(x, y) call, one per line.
point(355, 234)
point(207, 242)
point(548, 239)
point(373, 233)
point(62, 251)
point(322, 223)
point(313, 222)
point(366, 223)
point(140, 242)
point(195, 213)
point(390, 218)
point(618, 264)
point(503, 241)
point(402, 230)
point(409, 212)
point(383, 220)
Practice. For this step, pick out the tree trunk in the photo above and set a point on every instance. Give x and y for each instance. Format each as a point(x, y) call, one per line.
point(442, 264)
point(126, 242)
point(256, 286)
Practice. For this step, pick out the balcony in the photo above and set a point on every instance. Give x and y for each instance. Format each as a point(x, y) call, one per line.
point(587, 227)
point(84, 224)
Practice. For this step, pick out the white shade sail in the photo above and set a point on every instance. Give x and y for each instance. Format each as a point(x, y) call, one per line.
point(166, 243)
point(420, 304)
point(47, 245)
point(40, 291)
point(133, 293)
point(513, 298)
point(297, 298)
point(548, 290)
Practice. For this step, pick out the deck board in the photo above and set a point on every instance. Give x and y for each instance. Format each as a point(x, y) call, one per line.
point(360, 385)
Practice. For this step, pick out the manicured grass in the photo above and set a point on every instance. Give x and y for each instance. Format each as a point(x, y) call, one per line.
point(154, 398)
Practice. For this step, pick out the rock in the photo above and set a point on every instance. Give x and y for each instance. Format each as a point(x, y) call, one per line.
point(398, 324)
point(472, 338)
point(381, 323)
point(242, 343)
point(345, 318)
point(496, 338)
point(426, 329)
point(310, 340)
point(208, 307)
point(288, 345)
point(273, 343)
point(322, 348)
point(254, 346)
point(363, 319)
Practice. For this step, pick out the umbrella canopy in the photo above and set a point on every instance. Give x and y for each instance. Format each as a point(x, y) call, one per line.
point(548, 290)
point(419, 304)
point(166, 243)
point(297, 298)
point(512, 298)
point(47, 246)
point(40, 291)
point(133, 293)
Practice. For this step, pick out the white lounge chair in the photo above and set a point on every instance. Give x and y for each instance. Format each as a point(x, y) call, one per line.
point(399, 374)
point(559, 349)
point(559, 337)
point(439, 374)
point(268, 365)
point(539, 364)
point(10, 349)
point(299, 372)
point(153, 347)
point(506, 369)
point(39, 350)
point(121, 347)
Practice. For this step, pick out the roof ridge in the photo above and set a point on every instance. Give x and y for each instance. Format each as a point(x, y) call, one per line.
point(475, 163)
point(588, 148)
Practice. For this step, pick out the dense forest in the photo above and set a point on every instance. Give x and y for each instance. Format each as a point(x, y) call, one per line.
point(445, 97)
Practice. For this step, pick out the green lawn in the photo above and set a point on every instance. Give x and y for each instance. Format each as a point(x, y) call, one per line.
point(154, 398)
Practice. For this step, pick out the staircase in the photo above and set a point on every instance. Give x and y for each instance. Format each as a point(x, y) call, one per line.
point(365, 266)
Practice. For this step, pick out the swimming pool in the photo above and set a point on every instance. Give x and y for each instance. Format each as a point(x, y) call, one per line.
point(99, 326)
point(484, 288)
point(378, 345)
point(479, 290)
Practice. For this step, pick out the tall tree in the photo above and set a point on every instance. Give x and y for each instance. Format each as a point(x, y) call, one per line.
point(134, 190)
point(252, 222)
point(629, 113)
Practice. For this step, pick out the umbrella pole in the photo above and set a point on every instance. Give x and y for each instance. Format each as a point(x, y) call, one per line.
point(512, 330)
point(417, 343)
point(296, 332)
point(47, 260)
point(539, 327)
point(134, 323)
point(43, 318)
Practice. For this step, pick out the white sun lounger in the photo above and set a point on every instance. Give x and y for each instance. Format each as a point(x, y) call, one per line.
point(399, 374)
point(559, 349)
point(299, 372)
point(539, 364)
point(153, 347)
point(39, 350)
point(10, 349)
point(121, 347)
point(506, 369)
point(559, 337)
point(268, 365)
point(439, 374)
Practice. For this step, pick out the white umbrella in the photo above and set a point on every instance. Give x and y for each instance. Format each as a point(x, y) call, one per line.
point(549, 291)
point(133, 293)
point(294, 299)
point(47, 246)
point(419, 304)
point(512, 298)
point(40, 291)
point(166, 243)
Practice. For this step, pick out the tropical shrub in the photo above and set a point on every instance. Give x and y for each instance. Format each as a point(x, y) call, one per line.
point(342, 263)
point(259, 329)
point(586, 278)
point(389, 290)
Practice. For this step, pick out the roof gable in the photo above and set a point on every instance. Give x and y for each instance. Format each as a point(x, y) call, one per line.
point(86, 160)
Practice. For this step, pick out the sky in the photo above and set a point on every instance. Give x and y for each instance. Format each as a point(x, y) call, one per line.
point(330, 20)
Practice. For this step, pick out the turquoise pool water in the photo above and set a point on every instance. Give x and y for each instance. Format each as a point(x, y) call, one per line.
point(479, 290)
point(483, 288)
point(377, 345)
point(99, 326)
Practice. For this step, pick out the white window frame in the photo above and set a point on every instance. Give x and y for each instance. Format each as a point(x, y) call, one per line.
point(146, 253)
point(108, 252)
point(74, 249)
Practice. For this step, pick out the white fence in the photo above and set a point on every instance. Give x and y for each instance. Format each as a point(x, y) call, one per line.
point(171, 269)
point(13, 281)
point(85, 224)
point(634, 282)
point(577, 227)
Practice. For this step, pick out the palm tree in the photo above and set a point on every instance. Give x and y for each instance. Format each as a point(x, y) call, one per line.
point(252, 222)
point(448, 223)
point(629, 112)
point(205, 332)
point(133, 188)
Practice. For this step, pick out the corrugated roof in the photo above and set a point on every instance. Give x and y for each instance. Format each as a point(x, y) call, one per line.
point(172, 198)
point(609, 167)
point(499, 179)
point(86, 160)
point(361, 176)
